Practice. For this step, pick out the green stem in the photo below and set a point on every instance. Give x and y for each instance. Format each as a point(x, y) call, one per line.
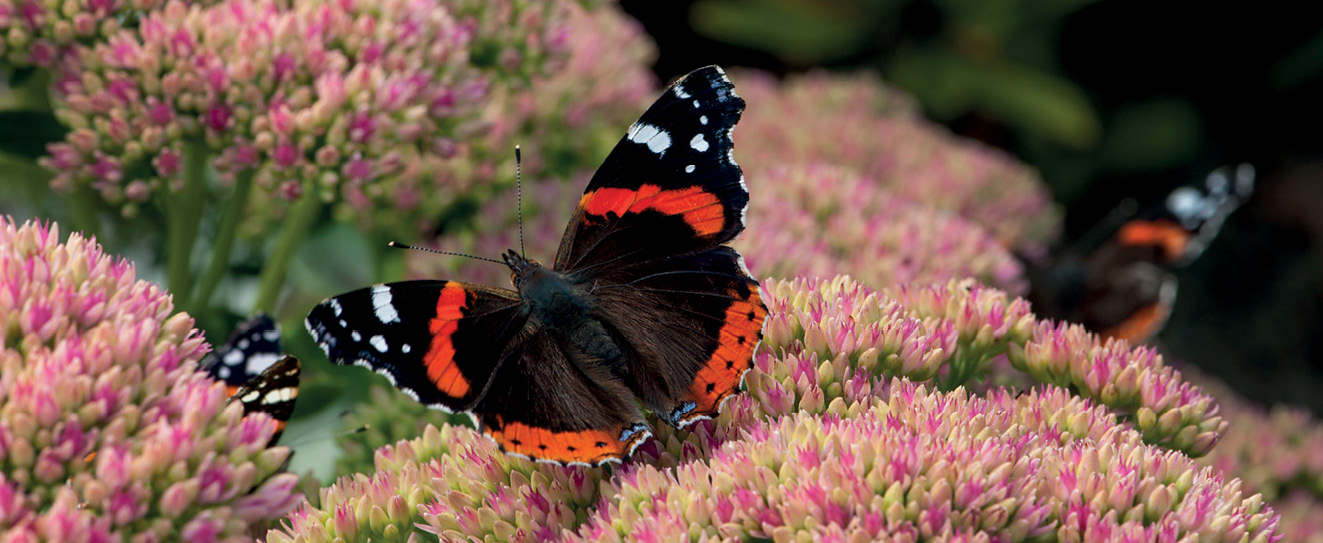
point(82, 205)
point(223, 243)
point(184, 218)
point(297, 225)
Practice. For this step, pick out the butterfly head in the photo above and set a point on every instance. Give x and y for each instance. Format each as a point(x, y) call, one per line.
point(521, 269)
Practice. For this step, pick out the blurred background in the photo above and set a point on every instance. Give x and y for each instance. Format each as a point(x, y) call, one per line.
point(1109, 101)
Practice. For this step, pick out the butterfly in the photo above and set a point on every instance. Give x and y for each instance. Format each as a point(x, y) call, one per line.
point(256, 372)
point(1124, 287)
point(645, 304)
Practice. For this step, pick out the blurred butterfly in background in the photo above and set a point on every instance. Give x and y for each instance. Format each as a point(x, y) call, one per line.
point(644, 303)
point(1124, 287)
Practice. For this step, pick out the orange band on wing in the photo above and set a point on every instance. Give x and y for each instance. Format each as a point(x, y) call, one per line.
point(1141, 326)
point(587, 446)
point(700, 209)
point(440, 357)
point(720, 375)
point(1171, 237)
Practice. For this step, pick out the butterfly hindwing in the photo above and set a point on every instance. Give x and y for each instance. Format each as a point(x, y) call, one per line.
point(542, 405)
point(438, 341)
point(669, 187)
point(273, 392)
point(688, 326)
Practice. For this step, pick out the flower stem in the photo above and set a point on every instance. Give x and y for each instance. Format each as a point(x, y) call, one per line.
point(297, 226)
point(226, 231)
point(184, 217)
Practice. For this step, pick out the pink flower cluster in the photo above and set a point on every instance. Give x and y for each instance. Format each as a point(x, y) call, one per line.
point(819, 220)
point(365, 103)
point(38, 33)
point(912, 465)
point(858, 124)
point(107, 431)
point(1277, 452)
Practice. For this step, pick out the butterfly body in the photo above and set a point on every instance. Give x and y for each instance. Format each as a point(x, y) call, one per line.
point(645, 307)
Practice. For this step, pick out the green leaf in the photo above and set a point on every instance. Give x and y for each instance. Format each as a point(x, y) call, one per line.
point(1153, 135)
point(335, 258)
point(25, 133)
point(1036, 102)
point(799, 31)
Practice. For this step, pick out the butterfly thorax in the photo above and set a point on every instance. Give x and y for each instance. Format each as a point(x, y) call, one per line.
point(562, 308)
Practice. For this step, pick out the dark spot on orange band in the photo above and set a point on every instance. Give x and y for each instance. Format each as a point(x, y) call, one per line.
point(440, 357)
point(586, 446)
point(700, 209)
point(720, 376)
point(1169, 236)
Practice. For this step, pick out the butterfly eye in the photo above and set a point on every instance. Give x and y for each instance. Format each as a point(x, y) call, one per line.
point(514, 276)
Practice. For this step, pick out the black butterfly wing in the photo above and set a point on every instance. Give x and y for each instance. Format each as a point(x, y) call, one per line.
point(252, 348)
point(688, 326)
point(671, 185)
point(441, 342)
point(273, 392)
point(544, 406)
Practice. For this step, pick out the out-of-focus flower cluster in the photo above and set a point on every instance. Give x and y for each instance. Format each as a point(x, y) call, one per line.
point(371, 104)
point(1277, 452)
point(911, 465)
point(817, 220)
point(859, 124)
point(37, 32)
point(93, 363)
point(571, 116)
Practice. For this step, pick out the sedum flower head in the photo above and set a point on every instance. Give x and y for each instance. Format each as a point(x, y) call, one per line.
point(818, 220)
point(913, 465)
point(38, 33)
point(93, 363)
point(859, 124)
point(363, 103)
point(827, 343)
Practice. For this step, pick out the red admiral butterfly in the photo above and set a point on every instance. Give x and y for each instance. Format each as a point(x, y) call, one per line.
point(1124, 288)
point(256, 372)
point(644, 304)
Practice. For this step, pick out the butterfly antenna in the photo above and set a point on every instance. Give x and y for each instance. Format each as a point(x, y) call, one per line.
point(519, 189)
point(426, 250)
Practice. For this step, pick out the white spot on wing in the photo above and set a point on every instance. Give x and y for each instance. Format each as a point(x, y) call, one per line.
point(689, 168)
point(696, 104)
point(405, 348)
point(335, 306)
point(698, 143)
point(357, 336)
point(658, 140)
point(379, 342)
point(679, 91)
point(702, 119)
point(232, 358)
point(381, 303)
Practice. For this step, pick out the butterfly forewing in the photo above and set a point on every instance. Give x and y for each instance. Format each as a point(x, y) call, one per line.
point(438, 341)
point(253, 347)
point(669, 187)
